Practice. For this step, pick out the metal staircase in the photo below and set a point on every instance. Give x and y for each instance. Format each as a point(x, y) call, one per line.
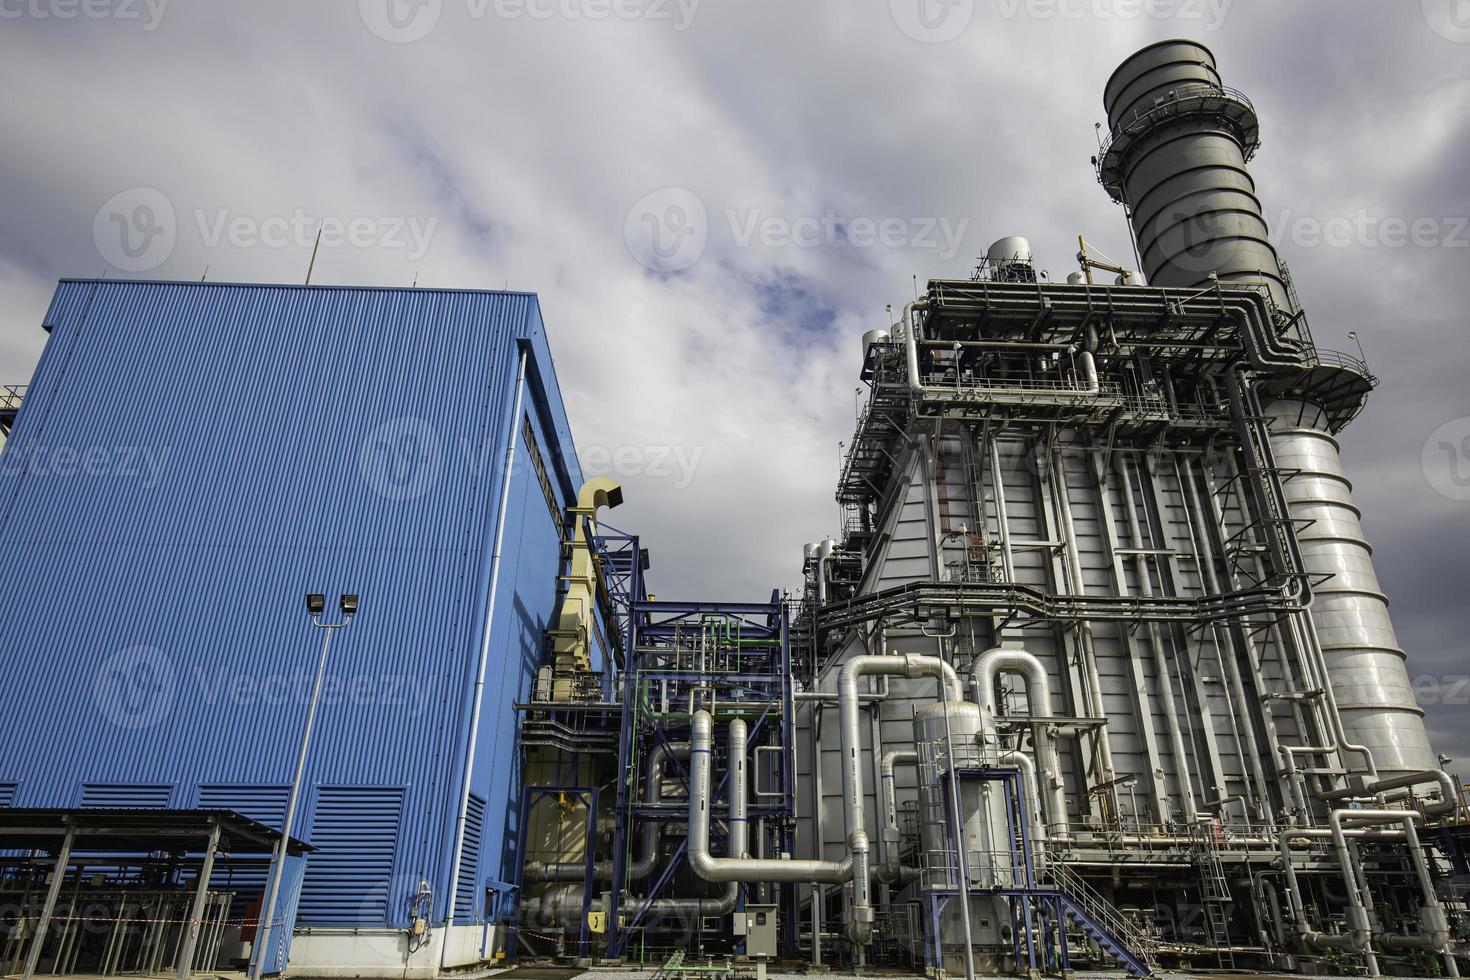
point(1134, 964)
point(1100, 920)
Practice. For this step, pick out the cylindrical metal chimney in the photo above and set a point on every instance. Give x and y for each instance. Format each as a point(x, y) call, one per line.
point(1176, 155)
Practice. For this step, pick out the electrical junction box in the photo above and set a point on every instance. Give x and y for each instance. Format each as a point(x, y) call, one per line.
point(758, 925)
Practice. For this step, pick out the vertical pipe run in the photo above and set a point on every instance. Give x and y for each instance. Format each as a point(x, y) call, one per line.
point(1239, 705)
point(1161, 665)
point(1084, 629)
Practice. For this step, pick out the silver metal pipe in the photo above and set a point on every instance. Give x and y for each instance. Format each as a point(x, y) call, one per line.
point(732, 868)
point(911, 347)
point(889, 870)
point(1435, 925)
point(1088, 365)
point(1156, 641)
point(983, 672)
point(1320, 940)
point(1002, 520)
point(860, 922)
point(1084, 628)
point(1237, 701)
point(1294, 783)
point(1445, 781)
point(1030, 794)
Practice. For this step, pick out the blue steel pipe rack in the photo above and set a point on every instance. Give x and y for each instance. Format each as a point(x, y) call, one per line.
point(655, 638)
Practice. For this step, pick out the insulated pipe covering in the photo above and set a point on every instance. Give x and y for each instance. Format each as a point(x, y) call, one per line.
point(733, 868)
point(983, 673)
point(860, 925)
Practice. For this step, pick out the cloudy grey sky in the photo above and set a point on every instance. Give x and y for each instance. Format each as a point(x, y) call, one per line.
point(807, 160)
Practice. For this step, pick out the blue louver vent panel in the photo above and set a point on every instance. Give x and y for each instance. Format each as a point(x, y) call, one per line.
point(7, 794)
point(264, 804)
point(356, 835)
point(245, 875)
point(118, 796)
point(465, 906)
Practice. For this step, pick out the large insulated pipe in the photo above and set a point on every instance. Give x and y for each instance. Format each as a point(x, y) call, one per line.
point(1162, 675)
point(563, 905)
point(1029, 793)
point(1365, 664)
point(1176, 158)
point(911, 347)
point(1012, 660)
point(890, 870)
point(735, 867)
point(860, 921)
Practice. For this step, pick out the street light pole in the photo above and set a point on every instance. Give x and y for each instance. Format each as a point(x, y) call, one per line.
point(315, 604)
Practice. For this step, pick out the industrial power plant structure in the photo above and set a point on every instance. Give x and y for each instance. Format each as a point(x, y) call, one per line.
point(1098, 672)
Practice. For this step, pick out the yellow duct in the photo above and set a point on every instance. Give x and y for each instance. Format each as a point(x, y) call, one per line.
point(571, 638)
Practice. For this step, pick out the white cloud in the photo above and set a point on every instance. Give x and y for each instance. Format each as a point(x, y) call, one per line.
point(528, 140)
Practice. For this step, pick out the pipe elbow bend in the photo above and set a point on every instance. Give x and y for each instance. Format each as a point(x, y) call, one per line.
point(704, 865)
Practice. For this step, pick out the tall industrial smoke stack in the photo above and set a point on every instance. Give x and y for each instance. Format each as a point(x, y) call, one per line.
point(1178, 144)
point(1176, 157)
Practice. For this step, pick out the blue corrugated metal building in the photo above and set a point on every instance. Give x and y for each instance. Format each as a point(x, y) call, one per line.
point(190, 460)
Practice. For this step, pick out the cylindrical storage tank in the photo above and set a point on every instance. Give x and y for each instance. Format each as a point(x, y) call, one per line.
point(982, 803)
point(874, 337)
point(1365, 664)
point(1012, 248)
point(826, 548)
point(1011, 260)
point(809, 551)
point(1177, 159)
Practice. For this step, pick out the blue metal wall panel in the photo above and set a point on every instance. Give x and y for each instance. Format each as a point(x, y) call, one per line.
point(191, 460)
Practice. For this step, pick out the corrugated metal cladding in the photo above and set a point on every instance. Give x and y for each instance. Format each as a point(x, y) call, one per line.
point(191, 460)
